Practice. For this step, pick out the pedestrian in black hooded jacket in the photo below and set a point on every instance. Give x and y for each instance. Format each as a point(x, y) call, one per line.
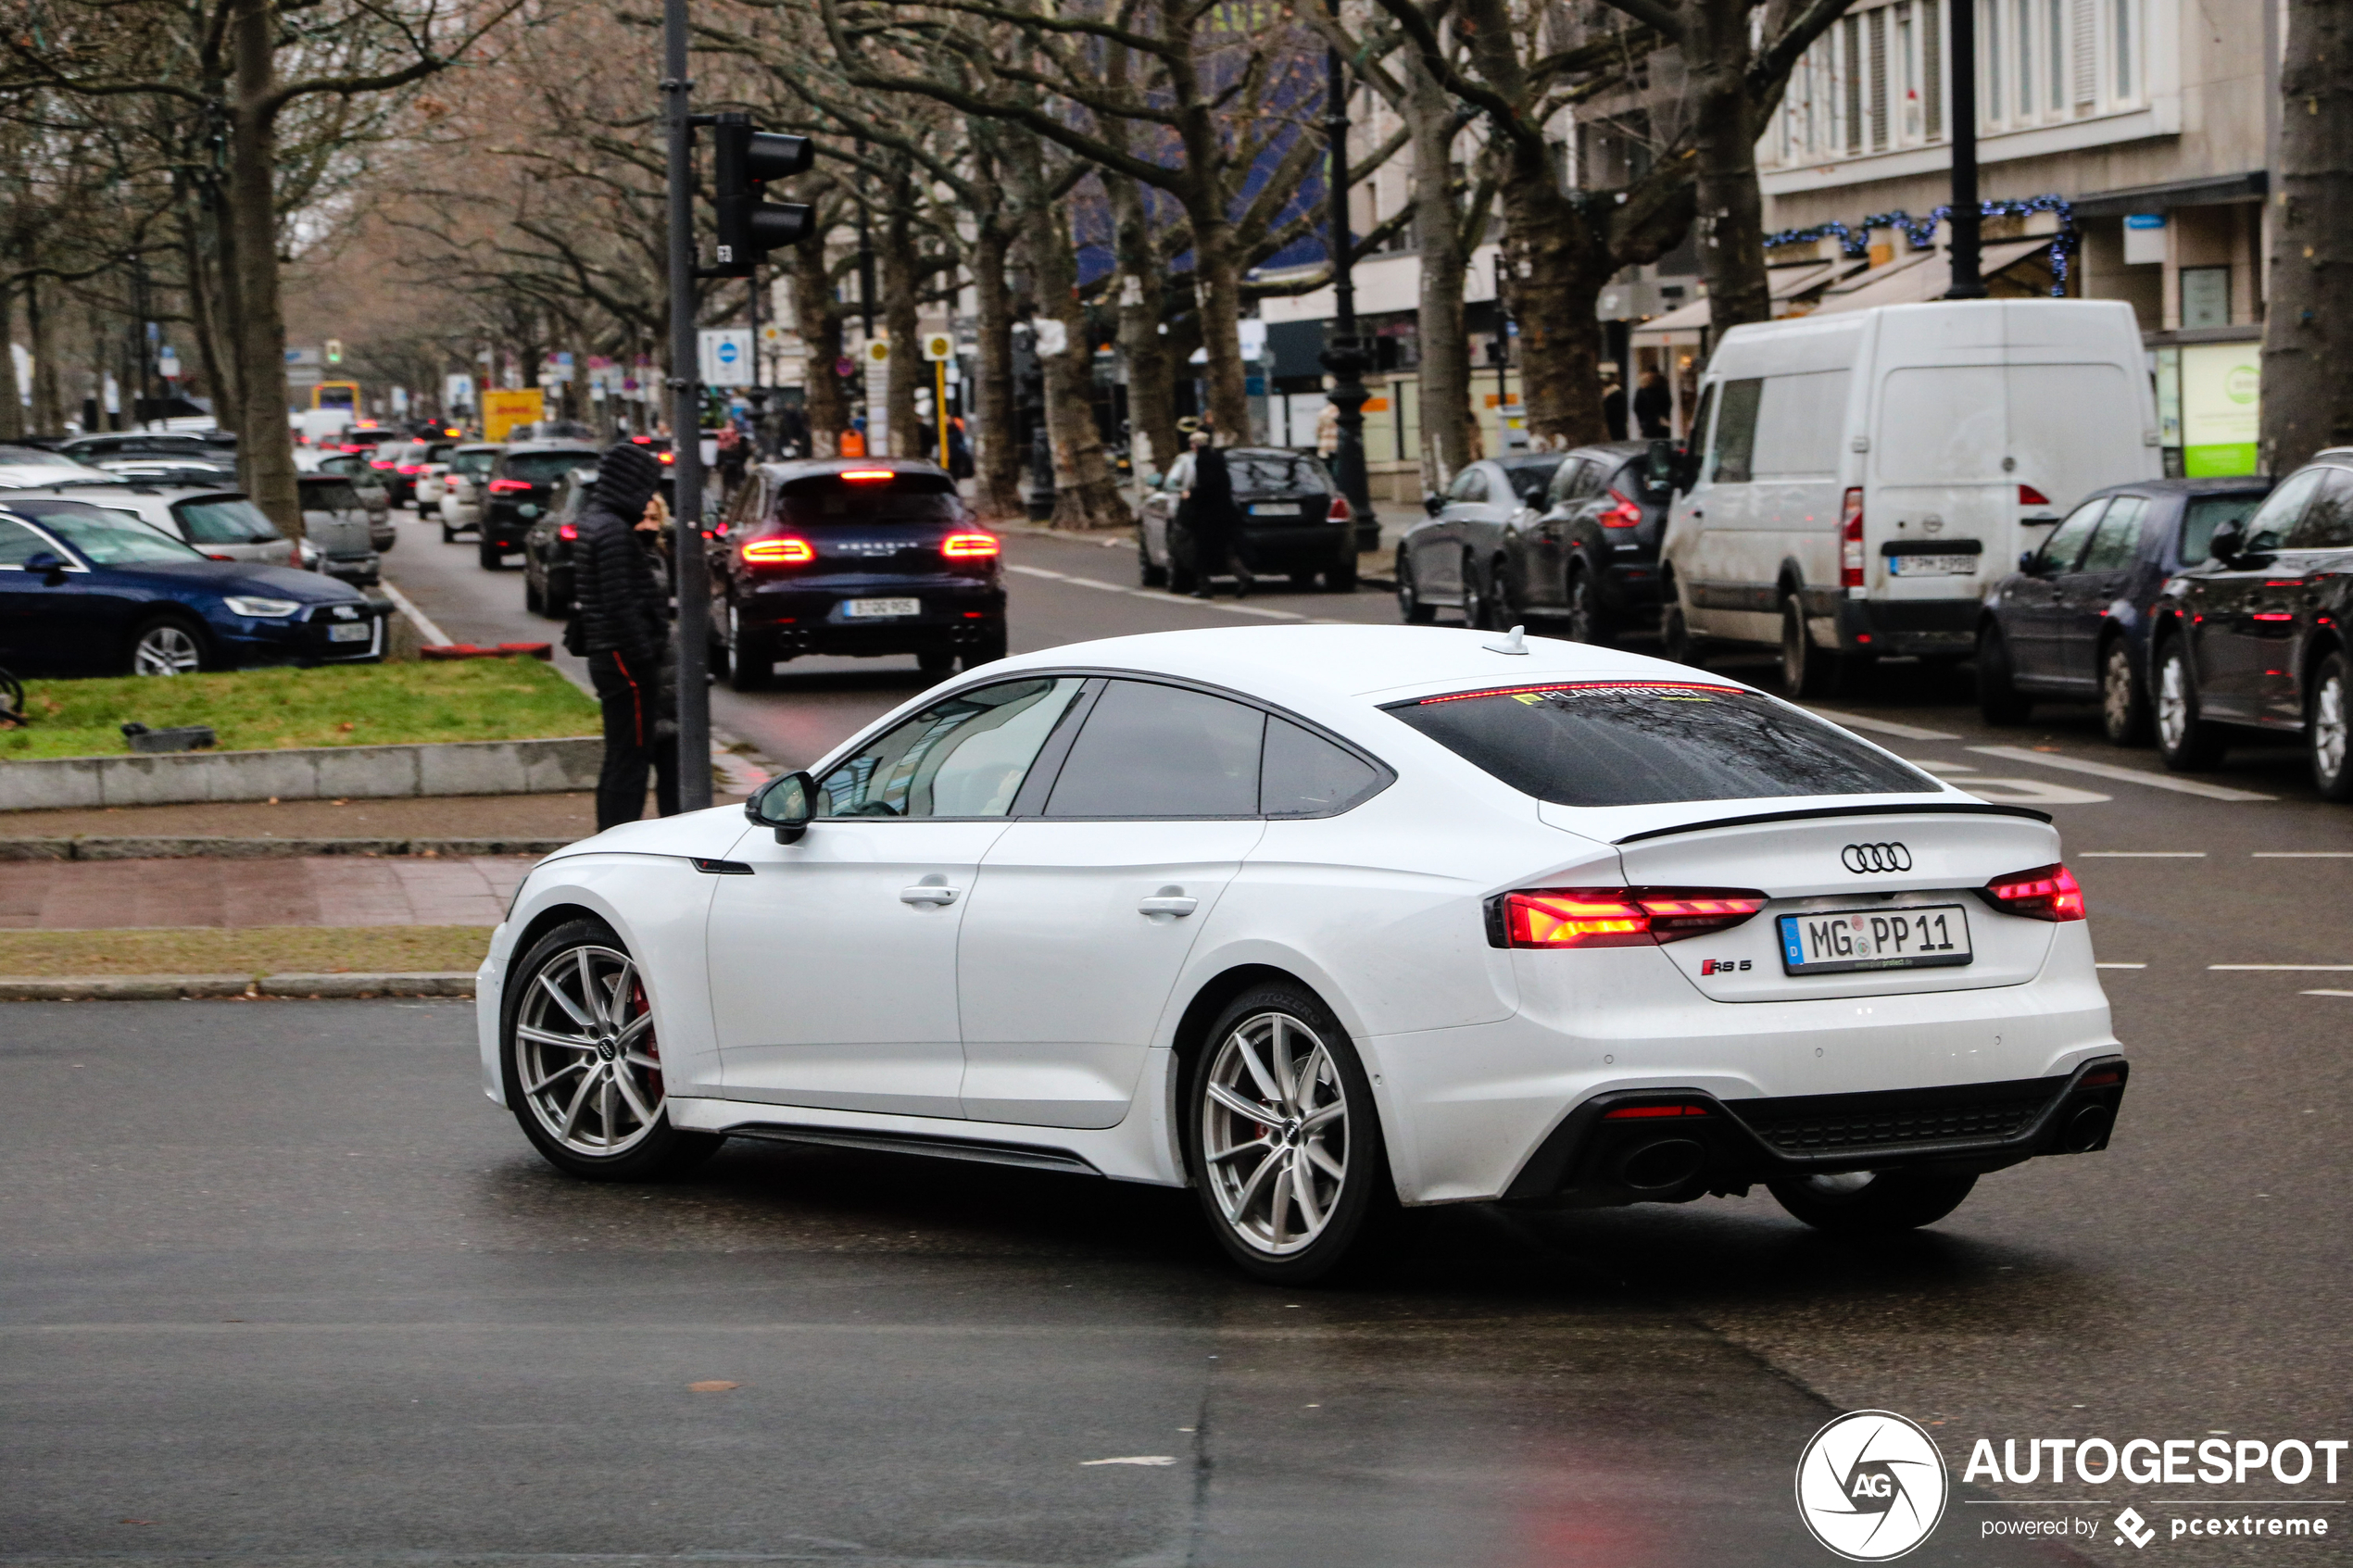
point(621, 620)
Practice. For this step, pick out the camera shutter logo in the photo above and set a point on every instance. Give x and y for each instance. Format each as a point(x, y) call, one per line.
point(1871, 1485)
point(1862, 858)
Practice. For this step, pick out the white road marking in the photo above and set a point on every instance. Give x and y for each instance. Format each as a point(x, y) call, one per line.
point(2119, 966)
point(2287, 968)
point(1941, 769)
point(2325, 993)
point(1132, 1459)
point(1883, 726)
point(430, 635)
point(1262, 611)
point(2304, 854)
point(2111, 771)
point(2142, 855)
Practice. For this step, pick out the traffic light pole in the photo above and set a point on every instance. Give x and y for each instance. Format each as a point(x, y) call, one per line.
point(685, 425)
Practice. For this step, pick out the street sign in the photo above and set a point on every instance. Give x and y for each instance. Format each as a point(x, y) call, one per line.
point(726, 355)
point(306, 356)
point(877, 353)
point(845, 366)
point(168, 363)
point(457, 392)
point(938, 347)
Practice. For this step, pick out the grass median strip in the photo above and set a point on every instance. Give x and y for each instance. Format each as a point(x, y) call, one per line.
point(266, 949)
point(336, 705)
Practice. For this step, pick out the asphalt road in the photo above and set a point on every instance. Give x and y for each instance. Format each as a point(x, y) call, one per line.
point(280, 1285)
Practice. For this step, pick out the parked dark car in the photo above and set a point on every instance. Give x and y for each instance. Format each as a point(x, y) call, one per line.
point(88, 591)
point(1295, 522)
point(2253, 638)
point(1454, 556)
point(401, 463)
point(521, 485)
point(858, 556)
point(2074, 621)
point(1587, 552)
point(546, 549)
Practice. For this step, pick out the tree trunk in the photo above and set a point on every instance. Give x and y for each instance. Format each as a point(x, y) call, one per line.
point(2307, 334)
point(817, 317)
point(48, 400)
point(1730, 219)
point(218, 382)
point(265, 445)
point(907, 371)
point(1152, 395)
point(1086, 494)
point(997, 449)
point(1221, 334)
point(1555, 269)
point(11, 395)
point(1447, 426)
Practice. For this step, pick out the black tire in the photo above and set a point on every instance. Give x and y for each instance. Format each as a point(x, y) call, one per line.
point(1182, 577)
point(1807, 671)
point(1410, 608)
point(167, 645)
point(989, 649)
point(2328, 727)
point(1359, 1206)
point(493, 558)
point(1882, 1201)
point(1341, 578)
point(1583, 603)
point(645, 1148)
point(1301, 581)
point(532, 599)
point(2186, 741)
point(935, 664)
point(752, 663)
point(1998, 699)
point(449, 534)
point(1147, 574)
point(1678, 643)
point(1477, 609)
point(2124, 697)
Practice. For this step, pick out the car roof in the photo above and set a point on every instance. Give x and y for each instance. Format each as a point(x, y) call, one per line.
point(557, 444)
point(1528, 460)
point(2243, 483)
point(809, 468)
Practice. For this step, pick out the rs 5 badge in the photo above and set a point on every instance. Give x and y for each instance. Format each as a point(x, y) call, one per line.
point(1720, 966)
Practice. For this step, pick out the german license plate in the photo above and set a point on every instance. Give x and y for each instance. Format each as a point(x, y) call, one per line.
point(1275, 509)
point(1835, 940)
point(356, 631)
point(877, 610)
point(1932, 566)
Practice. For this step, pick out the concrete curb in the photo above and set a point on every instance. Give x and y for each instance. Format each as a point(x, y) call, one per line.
point(178, 987)
point(323, 773)
point(185, 849)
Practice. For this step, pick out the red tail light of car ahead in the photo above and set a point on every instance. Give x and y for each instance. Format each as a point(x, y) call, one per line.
point(1340, 512)
point(509, 486)
point(408, 467)
point(2030, 496)
point(380, 462)
point(969, 546)
point(868, 476)
point(1850, 541)
point(568, 531)
point(1626, 514)
point(786, 551)
point(666, 457)
point(2045, 892)
point(1620, 917)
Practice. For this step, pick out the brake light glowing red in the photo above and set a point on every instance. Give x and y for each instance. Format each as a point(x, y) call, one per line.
point(380, 462)
point(642, 440)
point(2045, 892)
point(666, 457)
point(568, 531)
point(1620, 917)
point(785, 551)
point(509, 486)
point(1340, 512)
point(1626, 514)
point(2030, 496)
point(1850, 541)
point(969, 546)
point(1576, 687)
point(1645, 1113)
point(408, 467)
point(868, 476)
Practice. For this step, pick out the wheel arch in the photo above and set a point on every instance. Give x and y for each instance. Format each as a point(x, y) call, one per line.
point(2319, 646)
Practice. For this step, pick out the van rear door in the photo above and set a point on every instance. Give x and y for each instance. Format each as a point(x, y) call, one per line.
point(1938, 480)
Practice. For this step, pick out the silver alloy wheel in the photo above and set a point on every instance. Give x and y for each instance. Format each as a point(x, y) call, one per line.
point(584, 1051)
point(2116, 690)
point(1273, 1132)
point(166, 650)
point(2172, 701)
point(1796, 648)
point(2328, 728)
point(1845, 1184)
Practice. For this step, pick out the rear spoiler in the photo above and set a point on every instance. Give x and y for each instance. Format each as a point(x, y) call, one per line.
point(1957, 808)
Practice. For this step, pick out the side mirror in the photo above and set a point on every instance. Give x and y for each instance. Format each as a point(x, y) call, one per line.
point(784, 804)
point(1660, 464)
point(45, 563)
point(1433, 504)
point(2229, 542)
point(2026, 562)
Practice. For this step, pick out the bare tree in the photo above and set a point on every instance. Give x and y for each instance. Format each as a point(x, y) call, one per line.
point(2308, 329)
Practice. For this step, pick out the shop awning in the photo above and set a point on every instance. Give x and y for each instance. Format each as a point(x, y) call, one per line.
point(1921, 276)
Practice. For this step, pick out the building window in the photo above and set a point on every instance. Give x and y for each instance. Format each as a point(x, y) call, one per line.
point(2057, 13)
point(1933, 64)
point(2124, 45)
point(1992, 31)
point(1851, 34)
point(2025, 60)
point(2206, 297)
point(1875, 23)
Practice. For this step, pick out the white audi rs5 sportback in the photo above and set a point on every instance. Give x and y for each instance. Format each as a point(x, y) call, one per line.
point(1320, 920)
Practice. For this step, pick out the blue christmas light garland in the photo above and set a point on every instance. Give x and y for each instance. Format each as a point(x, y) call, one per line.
point(1922, 232)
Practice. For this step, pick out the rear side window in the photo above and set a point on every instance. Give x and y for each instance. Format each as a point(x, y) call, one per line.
point(2118, 540)
point(473, 464)
point(225, 522)
point(2327, 523)
point(2273, 519)
point(1306, 775)
point(964, 757)
point(1798, 424)
point(1735, 449)
point(1573, 479)
point(19, 544)
point(1151, 750)
point(1651, 743)
point(2207, 513)
point(2065, 546)
point(907, 497)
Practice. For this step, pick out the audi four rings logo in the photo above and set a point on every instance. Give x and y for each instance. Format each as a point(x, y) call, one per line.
point(1862, 857)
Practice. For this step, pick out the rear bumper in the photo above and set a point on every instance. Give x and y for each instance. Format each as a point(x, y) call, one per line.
point(1297, 546)
point(1593, 1160)
point(795, 618)
point(1920, 627)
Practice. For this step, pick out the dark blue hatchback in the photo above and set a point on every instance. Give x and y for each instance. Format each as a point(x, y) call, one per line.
point(84, 591)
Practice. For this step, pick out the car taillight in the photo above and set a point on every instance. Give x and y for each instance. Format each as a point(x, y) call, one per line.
point(666, 457)
point(1616, 917)
point(568, 531)
point(1850, 541)
point(380, 462)
point(969, 546)
point(1340, 512)
point(509, 486)
point(2045, 892)
point(866, 476)
point(408, 467)
point(2030, 496)
point(641, 440)
point(1626, 514)
point(209, 556)
point(779, 552)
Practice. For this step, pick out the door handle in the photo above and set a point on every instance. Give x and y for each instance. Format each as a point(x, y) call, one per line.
point(929, 893)
point(1167, 904)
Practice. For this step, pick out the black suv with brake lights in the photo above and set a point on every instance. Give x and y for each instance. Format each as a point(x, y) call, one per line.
point(521, 485)
point(863, 557)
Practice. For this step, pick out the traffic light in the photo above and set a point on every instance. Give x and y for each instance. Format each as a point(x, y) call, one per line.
point(748, 227)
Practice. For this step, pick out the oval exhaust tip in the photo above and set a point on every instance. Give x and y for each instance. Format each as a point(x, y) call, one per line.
point(2086, 1129)
point(1657, 1167)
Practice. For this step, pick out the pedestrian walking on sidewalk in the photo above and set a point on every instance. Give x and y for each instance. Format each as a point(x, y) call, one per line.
point(621, 620)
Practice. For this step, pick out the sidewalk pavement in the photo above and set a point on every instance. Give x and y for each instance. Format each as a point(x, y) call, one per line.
point(313, 890)
point(565, 816)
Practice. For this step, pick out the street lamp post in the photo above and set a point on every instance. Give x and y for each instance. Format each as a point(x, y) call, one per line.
point(1967, 282)
point(685, 425)
point(1344, 356)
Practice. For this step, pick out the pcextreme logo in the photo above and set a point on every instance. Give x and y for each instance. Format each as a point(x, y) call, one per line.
point(1871, 1485)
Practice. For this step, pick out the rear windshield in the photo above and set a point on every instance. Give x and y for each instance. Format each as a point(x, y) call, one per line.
point(541, 467)
point(907, 497)
point(474, 463)
point(335, 496)
point(103, 537)
point(1264, 471)
point(1650, 743)
point(228, 520)
point(2207, 513)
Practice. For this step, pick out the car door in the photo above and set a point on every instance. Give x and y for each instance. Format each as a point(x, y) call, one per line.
point(2230, 646)
point(30, 635)
point(1083, 913)
point(832, 962)
point(2284, 604)
point(2031, 618)
point(2085, 594)
point(1437, 551)
point(1544, 543)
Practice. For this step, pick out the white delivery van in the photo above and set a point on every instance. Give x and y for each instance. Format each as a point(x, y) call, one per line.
point(1854, 482)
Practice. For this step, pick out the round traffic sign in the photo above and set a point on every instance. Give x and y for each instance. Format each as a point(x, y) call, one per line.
point(727, 352)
